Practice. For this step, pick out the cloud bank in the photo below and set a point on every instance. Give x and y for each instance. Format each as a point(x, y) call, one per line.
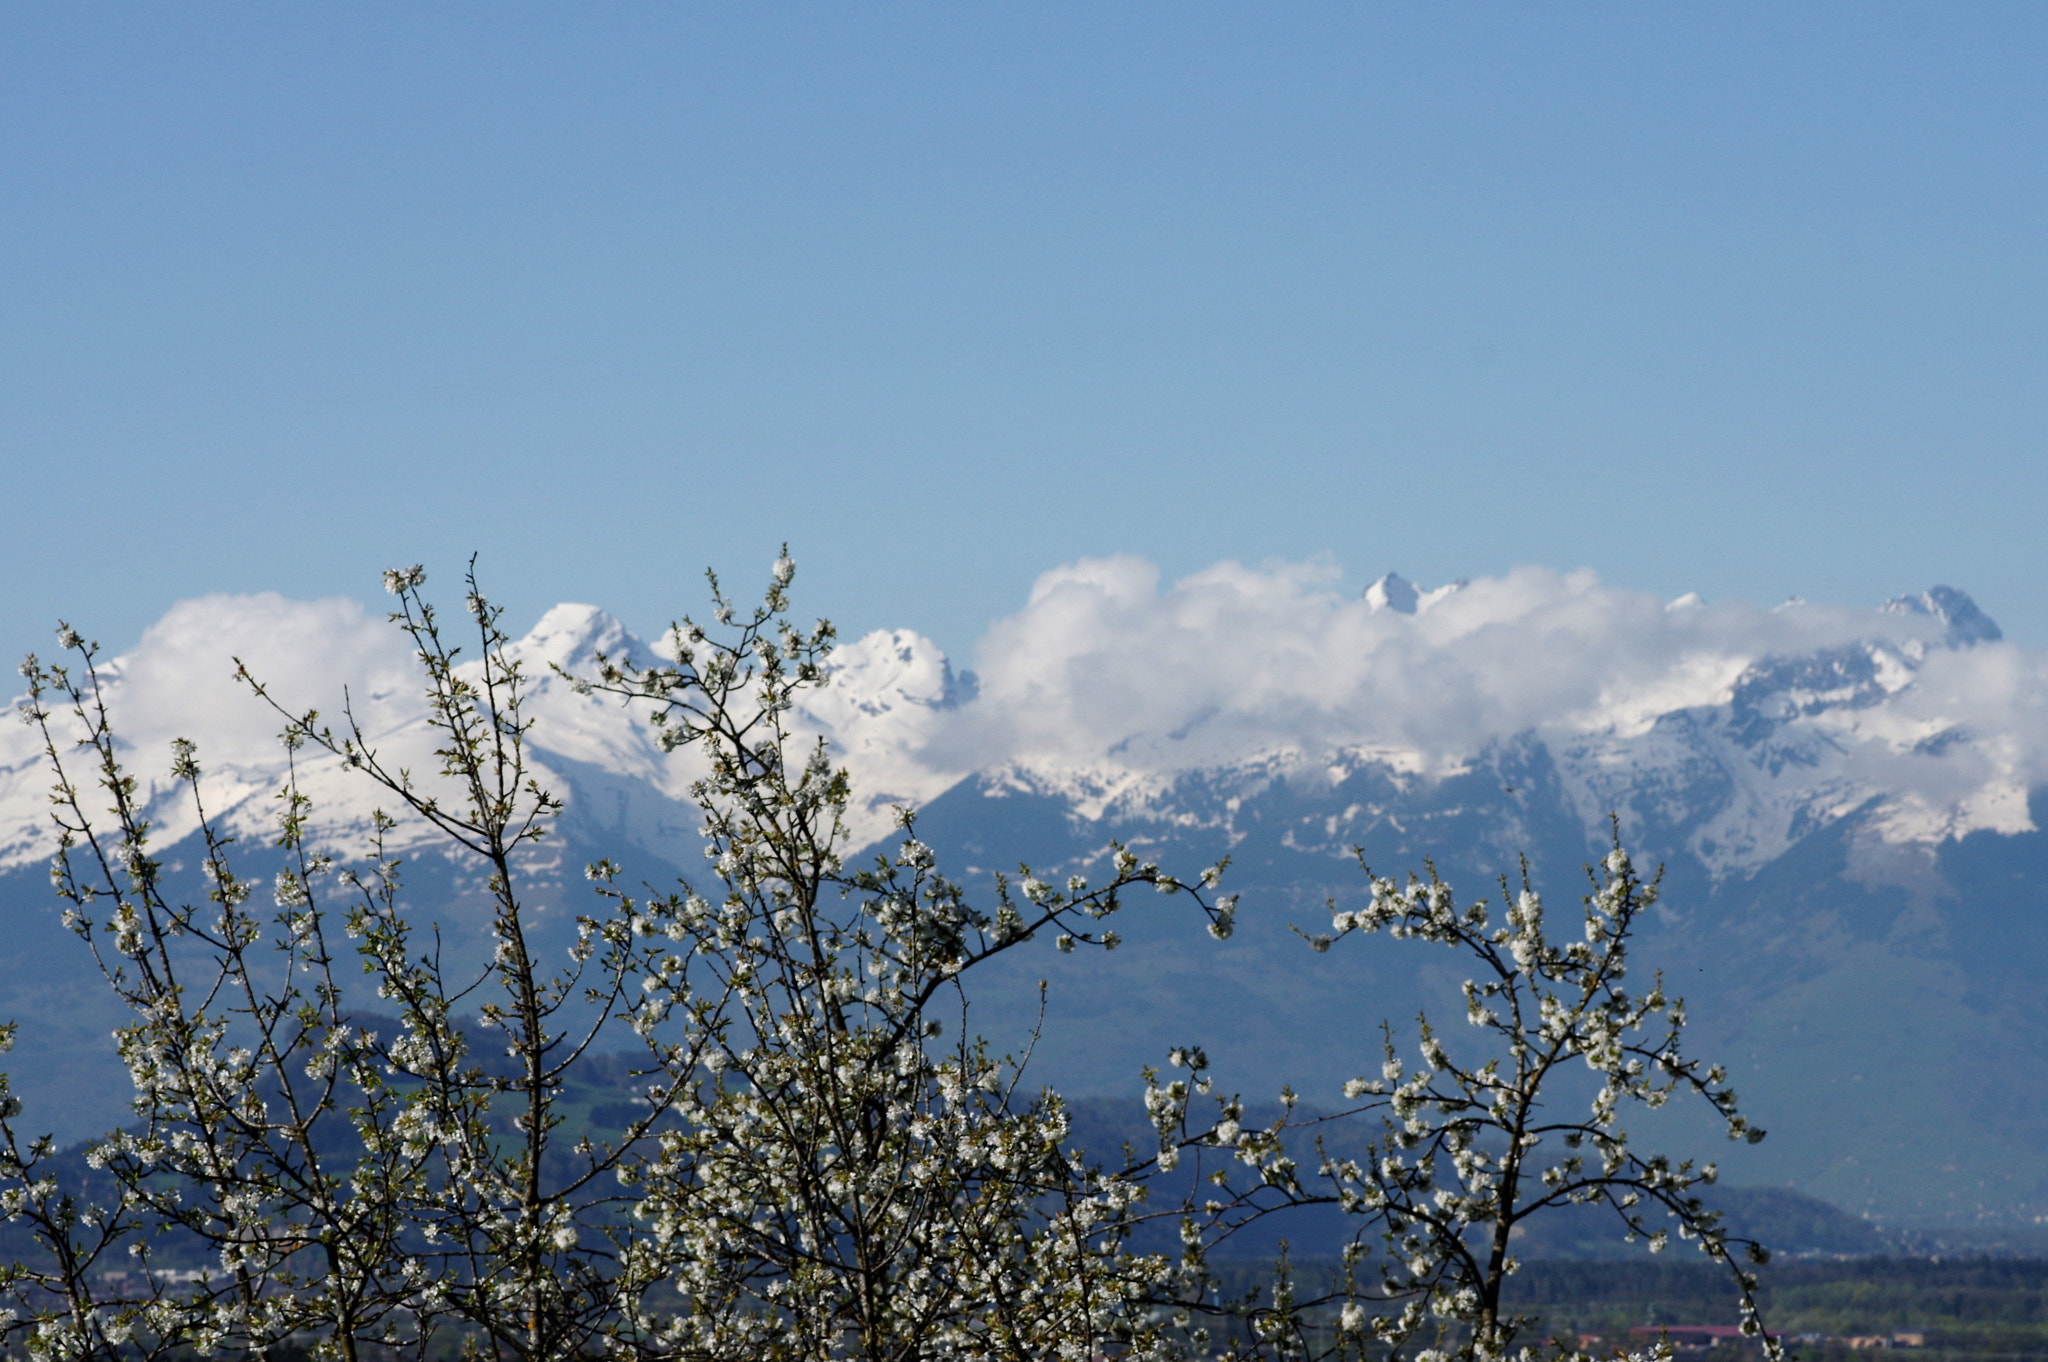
point(1103, 660)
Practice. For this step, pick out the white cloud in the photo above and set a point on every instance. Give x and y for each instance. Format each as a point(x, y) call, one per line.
point(1103, 662)
point(179, 680)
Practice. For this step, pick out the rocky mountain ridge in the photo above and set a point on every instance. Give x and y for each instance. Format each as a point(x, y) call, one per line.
point(1847, 802)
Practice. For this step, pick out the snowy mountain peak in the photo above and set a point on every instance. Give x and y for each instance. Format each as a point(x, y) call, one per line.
point(570, 636)
point(1777, 690)
point(898, 666)
point(892, 701)
point(1396, 593)
point(1966, 623)
point(1393, 592)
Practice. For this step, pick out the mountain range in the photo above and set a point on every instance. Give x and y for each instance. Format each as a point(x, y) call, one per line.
point(1849, 805)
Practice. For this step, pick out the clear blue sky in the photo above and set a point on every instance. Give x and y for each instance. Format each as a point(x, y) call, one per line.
point(1744, 299)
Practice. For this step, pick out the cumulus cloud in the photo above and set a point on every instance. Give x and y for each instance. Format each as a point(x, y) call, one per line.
point(179, 680)
point(1103, 661)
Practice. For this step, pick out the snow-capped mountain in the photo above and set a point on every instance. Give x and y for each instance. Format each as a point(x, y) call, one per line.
point(1748, 727)
point(602, 756)
point(1845, 799)
point(1745, 729)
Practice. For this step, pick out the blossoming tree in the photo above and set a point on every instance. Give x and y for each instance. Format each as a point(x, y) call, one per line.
point(822, 1157)
point(1485, 1134)
point(816, 1169)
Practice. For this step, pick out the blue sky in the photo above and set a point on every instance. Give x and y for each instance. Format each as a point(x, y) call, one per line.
point(1739, 299)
